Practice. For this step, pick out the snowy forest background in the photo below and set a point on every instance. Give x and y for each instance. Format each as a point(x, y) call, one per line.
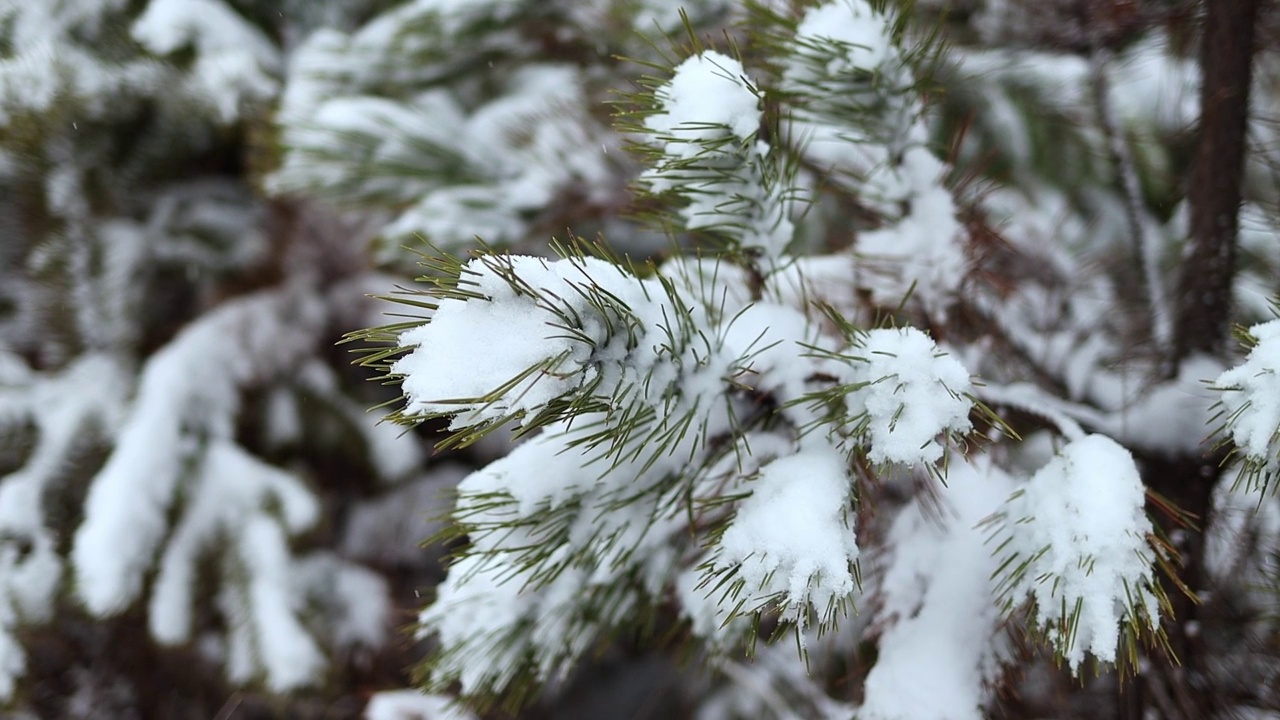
point(774, 359)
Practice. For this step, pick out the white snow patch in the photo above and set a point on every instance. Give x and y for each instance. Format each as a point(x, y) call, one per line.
point(1080, 524)
point(943, 645)
point(509, 351)
point(791, 541)
point(1250, 396)
point(914, 392)
point(708, 96)
point(235, 60)
point(413, 705)
point(852, 24)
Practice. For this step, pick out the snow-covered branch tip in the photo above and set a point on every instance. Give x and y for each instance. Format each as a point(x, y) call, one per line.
point(527, 339)
point(1249, 407)
point(706, 147)
point(1076, 542)
point(899, 398)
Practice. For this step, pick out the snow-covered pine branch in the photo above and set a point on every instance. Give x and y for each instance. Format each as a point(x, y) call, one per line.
point(702, 430)
point(514, 131)
point(71, 412)
point(177, 441)
point(708, 152)
point(757, 433)
point(1076, 541)
point(1250, 407)
point(856, 116)
point(652, 398)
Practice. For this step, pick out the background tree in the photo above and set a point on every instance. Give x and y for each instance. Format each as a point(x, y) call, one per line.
point(824, 241)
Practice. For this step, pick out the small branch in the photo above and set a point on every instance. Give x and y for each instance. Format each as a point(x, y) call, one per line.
point(1067, 416)
point(230, 706)
point(1012, 340)
point(1146, 250)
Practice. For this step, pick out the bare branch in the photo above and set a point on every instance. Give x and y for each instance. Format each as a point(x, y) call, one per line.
point(1146, 250)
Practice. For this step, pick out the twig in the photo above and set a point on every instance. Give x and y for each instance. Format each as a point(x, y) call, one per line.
point(1145, 249)
point(1031, 399)
point(750, 681)
point(229, 706)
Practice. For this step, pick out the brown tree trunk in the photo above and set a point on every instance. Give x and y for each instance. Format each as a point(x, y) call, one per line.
point(1204, 288)
point(1177, 688)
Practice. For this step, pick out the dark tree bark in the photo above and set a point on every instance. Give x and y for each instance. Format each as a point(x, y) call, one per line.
point(1204, 288)
point(1179, 687)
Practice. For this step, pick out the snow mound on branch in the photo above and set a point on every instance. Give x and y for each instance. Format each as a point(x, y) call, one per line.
point(852, 23)
point(707, 96)
point(708, 126)
point(1251, 400)
point(790, 540)
point(511, 350)
point(1077, 539)
point(923, 253)
point(914, 392)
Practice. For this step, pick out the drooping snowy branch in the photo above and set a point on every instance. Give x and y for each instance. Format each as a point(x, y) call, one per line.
point(69, 410)
point(177, 446)
point(189, 393)
point(940, 620)
point(1250, 398)
point(235, 62)
point(488, 165)
point(1076, 542)
point(858, 119)
point(711, 155)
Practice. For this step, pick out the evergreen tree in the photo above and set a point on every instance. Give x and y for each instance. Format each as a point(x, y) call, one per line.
point(868, 358)
point(769, 396)
point(706, 433)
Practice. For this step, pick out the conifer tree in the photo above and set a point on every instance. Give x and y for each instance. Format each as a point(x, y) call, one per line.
point(710, 433)
point(817, 358)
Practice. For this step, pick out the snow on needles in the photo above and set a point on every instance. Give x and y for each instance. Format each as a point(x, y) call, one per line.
point(844, 57)
point(912, 392)
point(235, 61)
point(1251, 401)
point(707, 126)
point(707, 96)
point(791, 540)
point(531, 338)
point(1076, 543)
point(852, 23)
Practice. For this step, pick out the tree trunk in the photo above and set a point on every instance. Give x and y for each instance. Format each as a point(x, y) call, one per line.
point(1204, 289)
point(1177, 688)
